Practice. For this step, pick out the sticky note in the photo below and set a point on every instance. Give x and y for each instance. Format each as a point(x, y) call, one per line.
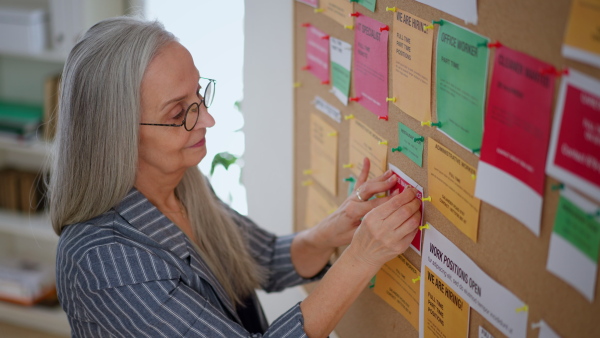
point(323, 153)
point(369, 4)
point(461, 82)
point(411, 148)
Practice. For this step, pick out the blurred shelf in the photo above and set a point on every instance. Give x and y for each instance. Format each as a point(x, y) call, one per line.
point(36, 226)
point(54, 56)
point(47, 319)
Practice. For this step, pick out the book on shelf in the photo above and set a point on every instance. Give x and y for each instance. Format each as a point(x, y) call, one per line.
point(51, 96)
point(20, 119)
point(21, 191)
point(26, 282)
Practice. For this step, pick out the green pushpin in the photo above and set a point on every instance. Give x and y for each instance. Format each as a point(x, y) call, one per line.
point(349, 179)
point(440, 22)
point(396, 149)
point(559, 186)
point(419, 139)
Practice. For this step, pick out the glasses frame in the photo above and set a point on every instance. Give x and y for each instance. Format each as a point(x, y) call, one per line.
point(211, 84)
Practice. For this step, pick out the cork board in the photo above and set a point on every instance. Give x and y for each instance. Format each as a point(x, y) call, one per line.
point(506, 250)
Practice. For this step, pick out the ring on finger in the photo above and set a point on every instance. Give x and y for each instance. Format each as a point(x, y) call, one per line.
point(358, 195)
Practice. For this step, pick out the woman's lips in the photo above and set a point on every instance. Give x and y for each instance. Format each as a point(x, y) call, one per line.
point(200, 143)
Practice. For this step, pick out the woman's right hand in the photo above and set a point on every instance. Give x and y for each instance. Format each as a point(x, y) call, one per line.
point(387, 230)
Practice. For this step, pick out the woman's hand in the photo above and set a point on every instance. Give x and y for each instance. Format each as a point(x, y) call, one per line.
point(338, 228)
point(387, 230)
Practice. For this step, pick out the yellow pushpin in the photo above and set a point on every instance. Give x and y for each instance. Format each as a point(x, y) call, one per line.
point(384, 143)
point(390, 99)
point(391, 9)
point(428, 27)
point(349, 26)
point(331, 211)
point(334, 133)
point(297, 84)
point(307, 172)
point(414, 280)
point(473, 176)
point(431, 124)
point(349, 117)
point(426, 199)
point(319, 10)
point(307, 183)
point(426, 226)
point(524, 308)
point(425, 123)
point(349, 165)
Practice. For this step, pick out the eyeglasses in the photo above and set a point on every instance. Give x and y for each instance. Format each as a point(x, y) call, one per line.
point(190, 118)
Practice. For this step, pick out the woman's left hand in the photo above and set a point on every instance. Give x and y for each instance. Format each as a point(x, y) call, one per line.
point(339, 227)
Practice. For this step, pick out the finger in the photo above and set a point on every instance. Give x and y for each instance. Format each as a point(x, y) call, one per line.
point(371, 188)
point(407, 217)
point(395, 203)
point(364, 173)
point(410, 224)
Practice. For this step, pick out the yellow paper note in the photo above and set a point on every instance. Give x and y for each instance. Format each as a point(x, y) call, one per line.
point(364, 142)
point(582, 40)
point(318, 206)
point(412, 49)
point(338, 10)
point(452, 188)
point(394, 284)
point(323, 153)
point(446, 313)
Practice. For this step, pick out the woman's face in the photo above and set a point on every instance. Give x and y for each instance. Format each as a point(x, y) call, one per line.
point(169, 87)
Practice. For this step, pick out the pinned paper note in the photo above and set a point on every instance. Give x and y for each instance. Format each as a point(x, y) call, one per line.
point(364, 142)
point(411, 143)
point(575, 243)
point(468, 283)
point(411, 65)
point(317, 53)
point(461, 82)
point(402, 182)
point(462, 9)
point(312, 3)
point(452, 188)
point(483, 333)
point(328, 109)
point(574, 155)
point(581, 39)
point(323, 153)
point(318, 206)
point(338, 10)
point(511, 173)
point(369, 4)
point(370, 71)
point(341, 63)
point(393, 283)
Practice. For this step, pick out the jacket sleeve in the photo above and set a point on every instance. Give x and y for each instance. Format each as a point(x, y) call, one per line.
point(126, 291)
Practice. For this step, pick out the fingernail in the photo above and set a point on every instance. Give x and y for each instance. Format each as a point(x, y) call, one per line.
point(391, 179)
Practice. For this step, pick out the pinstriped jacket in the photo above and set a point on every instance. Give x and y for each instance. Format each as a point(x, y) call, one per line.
point(131, 272)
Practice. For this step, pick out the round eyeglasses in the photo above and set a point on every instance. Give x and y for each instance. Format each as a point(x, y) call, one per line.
point(192, 113)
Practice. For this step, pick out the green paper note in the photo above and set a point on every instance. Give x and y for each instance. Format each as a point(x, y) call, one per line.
point(410, 148)
point(369, 4)
point(578, 228)
point(341, 78)
point(351, 186)
point(461, 78)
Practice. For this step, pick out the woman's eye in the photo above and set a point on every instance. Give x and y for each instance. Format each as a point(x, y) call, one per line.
point(179, 115)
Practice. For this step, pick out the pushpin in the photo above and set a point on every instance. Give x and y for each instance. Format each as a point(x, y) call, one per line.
point(494, 44)
point(307, 67)
point(559, 186)
point(419, 139)
point(396, 149)
point(349, 27)
point(325, 37)
point(414, 280)
point(306, 24)
point(426, 199)
point(426, 226)
point(350, 179)
point(431, 124)
point(382, 118)
point(333, 133)
point(524, 308)
point(354, 99)
point(553, 71)
point(354, 0)
point(307, 172)
point(473, 177)
point(347, 166)
point(319, 10)
point(307, 183)
point(476, 150)
point(428, 27)
point(330, 211)
point(349, 117)
point(384, 28)
point(390, 99)
point(297, 84)
point(440, 22)
point(391, 9)
point(355, 14)
point(326, 82)
point(385, 143)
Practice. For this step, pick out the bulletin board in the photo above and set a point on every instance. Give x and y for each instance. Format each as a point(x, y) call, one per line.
point(506, 250)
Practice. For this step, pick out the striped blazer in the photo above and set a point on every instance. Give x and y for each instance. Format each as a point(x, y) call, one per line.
point(131, 272)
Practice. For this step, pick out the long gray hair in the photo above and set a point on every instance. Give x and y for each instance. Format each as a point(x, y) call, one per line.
point(96, 148)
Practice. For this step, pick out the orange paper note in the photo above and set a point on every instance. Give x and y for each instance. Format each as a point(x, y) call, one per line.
point(364, 142)
point(446, 313)
point(323, 153)
point(338, 10)
point(318, 206)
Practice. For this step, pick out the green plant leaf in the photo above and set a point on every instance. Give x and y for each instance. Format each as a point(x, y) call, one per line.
point(225, 159)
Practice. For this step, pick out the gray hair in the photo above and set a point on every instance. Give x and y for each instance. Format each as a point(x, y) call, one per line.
point(96, 148)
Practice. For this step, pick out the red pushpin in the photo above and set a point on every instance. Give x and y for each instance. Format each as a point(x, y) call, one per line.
point(384, 28)
point(553, 71)
point(325, 37)
point(307, 67)
point(494, 45)
point(326, 82)
point(382, 118)
point(354, 99)
point(306, 24)
point(355, 14)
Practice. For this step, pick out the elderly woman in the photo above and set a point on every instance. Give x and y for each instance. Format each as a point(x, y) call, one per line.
point(146, 248)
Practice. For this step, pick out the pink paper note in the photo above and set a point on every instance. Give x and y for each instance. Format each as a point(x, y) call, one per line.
point(317, 53)
point(371, 65)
